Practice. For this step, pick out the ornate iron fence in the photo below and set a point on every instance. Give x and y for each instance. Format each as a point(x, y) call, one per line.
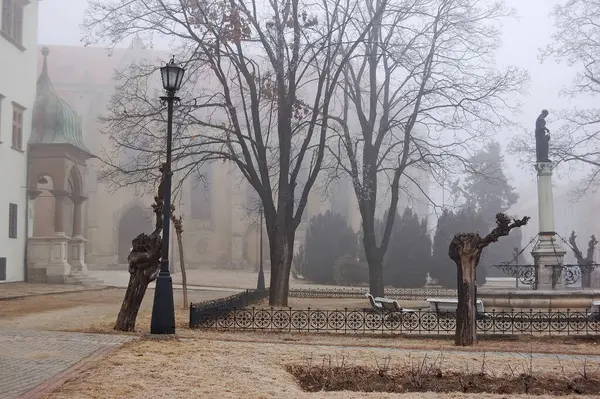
point(570, 274)
point(393, 293)
point(406, 322)
point(239, 301)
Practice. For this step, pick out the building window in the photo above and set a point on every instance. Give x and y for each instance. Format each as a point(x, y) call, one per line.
point(12, 220)
point(17, 126)
point(201, 196)
point(12, 20)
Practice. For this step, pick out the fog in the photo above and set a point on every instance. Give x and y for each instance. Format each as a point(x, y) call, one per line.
point(59, 22)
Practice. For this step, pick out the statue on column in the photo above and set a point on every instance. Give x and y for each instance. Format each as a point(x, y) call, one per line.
point(542, 138)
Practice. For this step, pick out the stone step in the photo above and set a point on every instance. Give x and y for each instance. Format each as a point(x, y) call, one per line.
point(83, 279)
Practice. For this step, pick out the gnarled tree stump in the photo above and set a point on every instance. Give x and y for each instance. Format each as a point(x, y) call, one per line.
point(144, 265)
point(585, 264)
point(465, 250)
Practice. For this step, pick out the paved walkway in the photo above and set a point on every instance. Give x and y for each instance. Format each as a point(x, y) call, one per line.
point(32, 360)
point(20, 290)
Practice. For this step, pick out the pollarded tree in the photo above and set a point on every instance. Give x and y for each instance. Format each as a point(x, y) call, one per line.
point(144, 264)
point(260, 79)
point(449, 224)
point(465, 250)
point(585, 264)
point(419, 93)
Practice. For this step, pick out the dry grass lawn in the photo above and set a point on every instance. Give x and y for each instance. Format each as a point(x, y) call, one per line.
point(209, 368)
point(206, 364)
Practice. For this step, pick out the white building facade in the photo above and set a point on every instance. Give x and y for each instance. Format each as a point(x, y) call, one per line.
point(18, 73)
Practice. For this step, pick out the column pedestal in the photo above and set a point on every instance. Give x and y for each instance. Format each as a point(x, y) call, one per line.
point(548, 257)
point(548, 254)
point(47, 259)
point(76, 257)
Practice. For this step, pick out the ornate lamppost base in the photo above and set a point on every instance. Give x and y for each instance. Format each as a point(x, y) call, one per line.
point(260, 286)
point(163, 313)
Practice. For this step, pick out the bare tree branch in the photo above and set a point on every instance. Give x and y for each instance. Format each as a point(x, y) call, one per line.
point(418, 96)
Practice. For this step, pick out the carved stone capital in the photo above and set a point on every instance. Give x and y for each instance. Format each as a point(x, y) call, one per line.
point(33, 194)
point(78, 199)
point(544, 168)
point(60, 193)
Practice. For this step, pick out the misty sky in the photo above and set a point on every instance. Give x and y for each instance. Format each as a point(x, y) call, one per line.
point(59, 24)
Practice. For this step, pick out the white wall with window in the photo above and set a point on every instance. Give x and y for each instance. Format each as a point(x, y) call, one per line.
point(18, 74)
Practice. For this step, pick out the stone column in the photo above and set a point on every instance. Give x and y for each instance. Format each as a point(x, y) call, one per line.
point(548, 253)
point(59, 211)
point(77, 242)
point(78, 216)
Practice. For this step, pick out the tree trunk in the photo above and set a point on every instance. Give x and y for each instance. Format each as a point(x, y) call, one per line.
point(136, 289)
point(183, 274)
point(376, 286)
point(144, 264)
point(465, 250)
point(375, 262)
point(466, 313)
point(281, 266)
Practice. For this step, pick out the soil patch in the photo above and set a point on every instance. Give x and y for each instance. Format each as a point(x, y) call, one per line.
point(427, 377)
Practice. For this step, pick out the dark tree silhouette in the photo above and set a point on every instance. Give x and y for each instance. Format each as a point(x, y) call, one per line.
point(487, 190)
point(465, 250)
point(328, 238)
point(409, 254)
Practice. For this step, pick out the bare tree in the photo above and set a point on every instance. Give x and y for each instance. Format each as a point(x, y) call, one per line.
point(585, 264)
point(417, 96)
point(178, 226)
point(260, 79)
point(144, 265)
point(465, 250)
point(575, 42)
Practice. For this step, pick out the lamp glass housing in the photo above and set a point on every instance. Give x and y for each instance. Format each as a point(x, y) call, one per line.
point(172, 76)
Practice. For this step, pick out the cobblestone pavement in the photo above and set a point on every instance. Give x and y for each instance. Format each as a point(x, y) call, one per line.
point(30, 358)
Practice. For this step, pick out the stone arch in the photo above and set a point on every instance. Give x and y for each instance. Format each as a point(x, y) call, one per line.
point(74, 216)
point(134, 220)
point(75, 181)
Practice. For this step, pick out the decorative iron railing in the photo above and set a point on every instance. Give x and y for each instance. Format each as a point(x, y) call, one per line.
point(406, 322)
point(393, 293)
point(239, 301)
point(570, 274)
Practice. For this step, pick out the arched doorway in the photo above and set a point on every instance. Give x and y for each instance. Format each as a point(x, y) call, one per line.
point(135, 221)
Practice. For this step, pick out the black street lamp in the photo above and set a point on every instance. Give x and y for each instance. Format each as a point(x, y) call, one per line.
point(163, 309)
point(261, 274)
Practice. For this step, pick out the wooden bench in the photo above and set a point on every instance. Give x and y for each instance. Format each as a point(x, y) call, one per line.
point(386, 305)
point(447, 306)
point(377, 306)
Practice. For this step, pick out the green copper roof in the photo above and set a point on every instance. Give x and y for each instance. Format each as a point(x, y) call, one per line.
point(54, 121)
